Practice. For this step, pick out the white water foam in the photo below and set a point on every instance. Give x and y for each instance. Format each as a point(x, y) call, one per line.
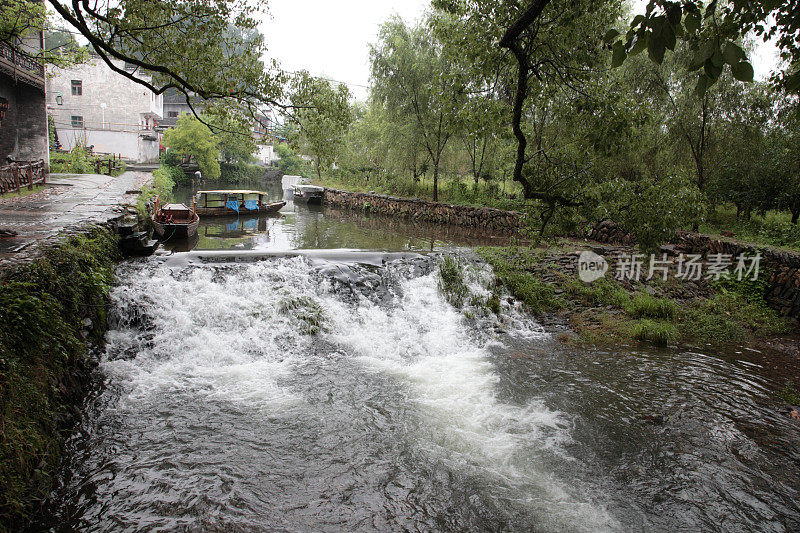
point(425, 342)
point(218, 332)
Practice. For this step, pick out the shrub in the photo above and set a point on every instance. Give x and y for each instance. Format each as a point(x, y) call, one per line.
point(645, 305)
point(240, 172)
point(451, 281)
point(654, 331)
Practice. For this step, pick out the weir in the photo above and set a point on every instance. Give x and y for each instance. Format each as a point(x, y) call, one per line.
point(257, 382)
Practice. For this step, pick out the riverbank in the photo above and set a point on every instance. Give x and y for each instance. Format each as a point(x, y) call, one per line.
point(52, 314)
point(609, 312)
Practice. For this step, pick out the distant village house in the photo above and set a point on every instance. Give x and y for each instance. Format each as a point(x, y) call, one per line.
point(94, 106)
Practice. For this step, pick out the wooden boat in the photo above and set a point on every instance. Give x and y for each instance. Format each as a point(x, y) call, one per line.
point(175, 221)
point(233, 202)
point(310, 194)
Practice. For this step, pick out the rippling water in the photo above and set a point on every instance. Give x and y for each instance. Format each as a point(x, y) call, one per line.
point(309, 394)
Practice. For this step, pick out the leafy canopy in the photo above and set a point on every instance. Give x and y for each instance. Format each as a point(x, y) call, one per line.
point(193, 138)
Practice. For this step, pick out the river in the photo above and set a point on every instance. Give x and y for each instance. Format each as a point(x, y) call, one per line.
point(263, 389)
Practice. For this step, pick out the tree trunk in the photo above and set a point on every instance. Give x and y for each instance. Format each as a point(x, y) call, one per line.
point(436, 181)
point(795, 215)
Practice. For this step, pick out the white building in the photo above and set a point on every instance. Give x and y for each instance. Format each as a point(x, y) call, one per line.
point(94, 106)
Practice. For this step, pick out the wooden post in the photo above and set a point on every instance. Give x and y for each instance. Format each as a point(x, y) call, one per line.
point(30, 177)
point(16, 178)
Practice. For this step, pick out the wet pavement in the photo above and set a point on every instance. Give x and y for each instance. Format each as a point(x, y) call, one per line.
point(67, 200)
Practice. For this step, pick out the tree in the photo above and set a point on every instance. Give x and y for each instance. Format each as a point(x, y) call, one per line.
point(232, 129)
point(418, 86)
point(554, 50)
point(323, 116)
point(193, 138)
point(185, 44)
point(714, 31)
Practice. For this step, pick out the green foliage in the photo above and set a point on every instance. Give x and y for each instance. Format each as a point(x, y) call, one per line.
point(510, 267)
point(42, 307)
point(713, 30)
point(232, 128)
point(306, 312)
point(654, 331)
point(323, 118)
point(77, 161)
point(451, 281)
point(289, 162)
point(81, 161)
point(730, 317)
point(646, 305)
point(164, 179)
point(240, 173)
point(193, 138)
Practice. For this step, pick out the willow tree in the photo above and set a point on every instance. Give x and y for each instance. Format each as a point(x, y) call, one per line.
point(323, 116)
point(538, 56)
point(420, 88)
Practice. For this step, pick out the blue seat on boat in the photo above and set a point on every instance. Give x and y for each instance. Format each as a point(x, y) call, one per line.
point(232, 203)
point(252, 205)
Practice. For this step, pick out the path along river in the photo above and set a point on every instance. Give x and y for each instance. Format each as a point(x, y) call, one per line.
point(340, 392)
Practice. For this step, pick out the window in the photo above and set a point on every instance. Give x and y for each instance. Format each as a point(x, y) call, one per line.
point(77, 121)
point(77, 87)
point(172, 114)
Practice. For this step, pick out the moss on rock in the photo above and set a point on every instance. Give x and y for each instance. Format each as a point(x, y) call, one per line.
point(51, 309)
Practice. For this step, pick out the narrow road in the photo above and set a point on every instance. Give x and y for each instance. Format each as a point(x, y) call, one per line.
point(67, 200)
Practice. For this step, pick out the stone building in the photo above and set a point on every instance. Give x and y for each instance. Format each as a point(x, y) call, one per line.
point(94, 106)
point(23, 113)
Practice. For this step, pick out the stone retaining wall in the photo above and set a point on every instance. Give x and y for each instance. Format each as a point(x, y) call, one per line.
point(415, 209)
point(782, 267)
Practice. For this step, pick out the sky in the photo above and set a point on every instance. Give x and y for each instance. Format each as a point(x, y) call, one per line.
point(331, 39)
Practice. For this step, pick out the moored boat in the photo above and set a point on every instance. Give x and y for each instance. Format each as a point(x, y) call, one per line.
point(310, 194)
point(175, 221)
point(232, 202)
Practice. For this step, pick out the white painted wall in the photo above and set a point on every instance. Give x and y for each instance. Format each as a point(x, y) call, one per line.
point(115, 110)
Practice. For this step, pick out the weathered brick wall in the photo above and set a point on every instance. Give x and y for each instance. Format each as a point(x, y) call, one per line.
point(783, 267)
point(23, 134)
point(478, 217)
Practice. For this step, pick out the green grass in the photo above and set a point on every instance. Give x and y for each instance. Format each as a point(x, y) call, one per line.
point(646, 305)
point(658, 332)
point(24, 191)
point(773, 228)
point(605, 311)
point(451, 281)
point(729, 317)
point(511, 267)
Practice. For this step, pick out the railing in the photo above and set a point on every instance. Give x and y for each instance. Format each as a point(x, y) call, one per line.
point(21, 61)
point(22, 174)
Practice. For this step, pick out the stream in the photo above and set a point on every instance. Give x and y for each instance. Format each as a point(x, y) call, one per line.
point(304, 373)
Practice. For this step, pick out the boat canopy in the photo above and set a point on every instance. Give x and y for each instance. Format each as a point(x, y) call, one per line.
point(174, 207)
point(227, 191)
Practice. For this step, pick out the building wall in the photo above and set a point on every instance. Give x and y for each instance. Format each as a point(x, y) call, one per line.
point(23, 134)
point(115, 110)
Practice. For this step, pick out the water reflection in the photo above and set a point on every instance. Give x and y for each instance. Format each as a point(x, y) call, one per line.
point(303, 227)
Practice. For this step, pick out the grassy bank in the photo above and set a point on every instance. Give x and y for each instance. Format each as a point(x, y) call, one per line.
point(658, 312)
point(51, 310)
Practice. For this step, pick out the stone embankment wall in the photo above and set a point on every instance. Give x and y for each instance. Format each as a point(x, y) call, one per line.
point(782, 267)
point(415, 209)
